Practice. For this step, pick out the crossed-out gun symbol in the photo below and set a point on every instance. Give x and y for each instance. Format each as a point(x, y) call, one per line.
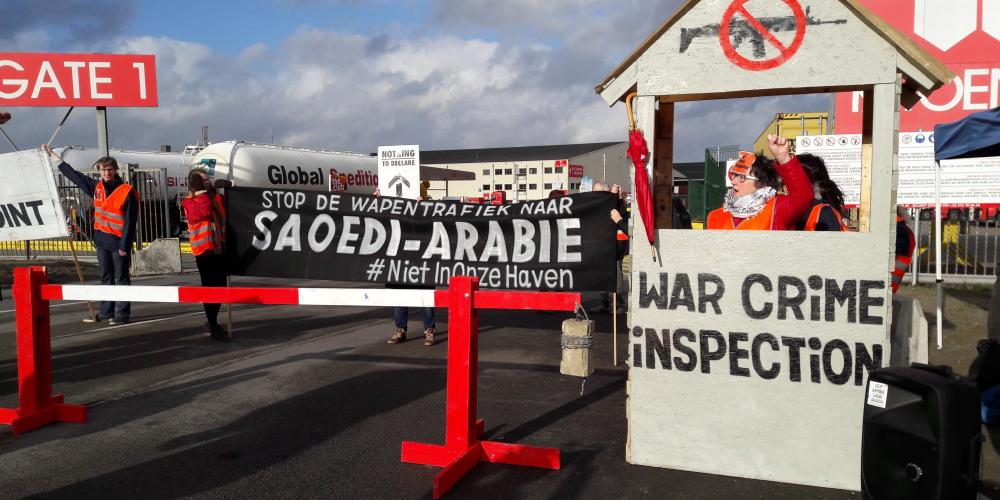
point(740, 30)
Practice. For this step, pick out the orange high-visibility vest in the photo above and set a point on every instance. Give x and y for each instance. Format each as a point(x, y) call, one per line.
point(109, 214)
point(902, 261)
point(209, 236)
point(814, 218)
point(763, 221)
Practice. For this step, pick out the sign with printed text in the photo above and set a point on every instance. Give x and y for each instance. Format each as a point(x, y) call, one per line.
point(29, 203)
point(563, 243)
point(967, 181)
point(768, 352)
point(109, 80)
point(399, 171)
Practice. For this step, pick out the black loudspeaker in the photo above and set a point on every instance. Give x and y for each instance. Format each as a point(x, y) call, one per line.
point(921, 436)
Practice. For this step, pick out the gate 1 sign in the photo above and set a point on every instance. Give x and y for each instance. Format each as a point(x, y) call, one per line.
point(94, 80)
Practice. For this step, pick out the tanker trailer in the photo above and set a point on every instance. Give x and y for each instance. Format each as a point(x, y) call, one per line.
point(283, 167)
point(157, 176)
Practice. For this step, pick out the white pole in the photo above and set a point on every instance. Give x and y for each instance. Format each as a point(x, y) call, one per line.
point(937, 250)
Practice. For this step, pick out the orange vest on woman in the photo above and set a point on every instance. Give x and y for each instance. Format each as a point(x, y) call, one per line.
point(109, 214)
point(209, 236)
point(763, 221)
point(814, 218)
point(902, 261)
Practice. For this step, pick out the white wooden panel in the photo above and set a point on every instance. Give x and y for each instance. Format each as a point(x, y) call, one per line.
point(722, 422)
point(837, 49)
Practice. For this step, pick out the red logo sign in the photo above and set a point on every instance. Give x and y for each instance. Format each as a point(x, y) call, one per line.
point(965, 36)
point(784, 52)
point(34, 79)
point(576, 170)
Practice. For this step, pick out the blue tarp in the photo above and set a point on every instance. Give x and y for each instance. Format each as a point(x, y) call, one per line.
point(975, 136)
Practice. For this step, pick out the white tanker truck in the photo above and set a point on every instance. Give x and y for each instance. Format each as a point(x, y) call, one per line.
point(265, 165)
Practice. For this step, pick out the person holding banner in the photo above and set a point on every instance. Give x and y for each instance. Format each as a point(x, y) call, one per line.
point(116, 207)
point(754, 202)
point(206, 215)
point(828, 200)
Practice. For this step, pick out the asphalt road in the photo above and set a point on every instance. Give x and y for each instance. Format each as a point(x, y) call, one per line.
point(310, 402)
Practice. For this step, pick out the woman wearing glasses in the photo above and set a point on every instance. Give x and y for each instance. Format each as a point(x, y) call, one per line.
point(755, 201)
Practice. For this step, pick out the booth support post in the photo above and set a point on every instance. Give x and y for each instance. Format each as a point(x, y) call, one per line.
point(37, 406)
point(663, 166)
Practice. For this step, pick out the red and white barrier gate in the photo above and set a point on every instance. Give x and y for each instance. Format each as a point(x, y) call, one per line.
point(462, 449)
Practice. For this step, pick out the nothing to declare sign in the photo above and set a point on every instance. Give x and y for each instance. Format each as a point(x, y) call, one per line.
point(564, 243)
point(29, 202)
point(399, 171)
point(39, 79)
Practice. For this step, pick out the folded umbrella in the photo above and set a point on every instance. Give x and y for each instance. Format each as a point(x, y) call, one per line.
point(638, 152)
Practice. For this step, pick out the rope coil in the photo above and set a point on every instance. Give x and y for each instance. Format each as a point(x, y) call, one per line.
point(574, 342)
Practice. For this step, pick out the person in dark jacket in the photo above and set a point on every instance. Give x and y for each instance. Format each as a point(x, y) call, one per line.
point(116, 209)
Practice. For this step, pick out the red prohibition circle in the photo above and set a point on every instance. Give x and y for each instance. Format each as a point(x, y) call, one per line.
point(785, 53)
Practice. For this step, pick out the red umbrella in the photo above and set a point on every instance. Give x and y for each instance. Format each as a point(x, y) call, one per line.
point(639, 153)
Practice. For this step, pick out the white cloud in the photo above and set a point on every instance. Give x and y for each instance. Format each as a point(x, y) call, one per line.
point(344, 90)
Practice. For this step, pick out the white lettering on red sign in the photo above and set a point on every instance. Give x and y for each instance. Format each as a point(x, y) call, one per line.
point(35, 79)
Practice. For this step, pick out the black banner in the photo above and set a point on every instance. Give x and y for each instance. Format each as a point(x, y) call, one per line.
point(554, 244)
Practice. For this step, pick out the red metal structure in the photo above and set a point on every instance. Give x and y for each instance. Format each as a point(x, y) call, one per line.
point(37, 405)
point(462, 449)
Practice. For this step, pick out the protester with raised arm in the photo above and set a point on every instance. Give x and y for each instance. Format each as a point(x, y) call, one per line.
point(116, 208)
point(755, 201)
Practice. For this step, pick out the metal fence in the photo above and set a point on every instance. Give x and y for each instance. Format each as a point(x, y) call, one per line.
point(970, 247)
point(154, 219)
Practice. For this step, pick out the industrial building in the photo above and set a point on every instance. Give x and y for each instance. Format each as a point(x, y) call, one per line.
point(529, 172)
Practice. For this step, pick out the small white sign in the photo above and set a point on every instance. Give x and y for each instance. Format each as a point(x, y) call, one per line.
point(29, 202)
point(399, 171)
point(877, 394)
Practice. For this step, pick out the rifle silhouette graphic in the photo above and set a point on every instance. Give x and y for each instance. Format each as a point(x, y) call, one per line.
point(740, 31)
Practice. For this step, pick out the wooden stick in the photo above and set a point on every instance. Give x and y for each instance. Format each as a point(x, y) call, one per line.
point(76, 262)
point(229, 313)
point(614, 327)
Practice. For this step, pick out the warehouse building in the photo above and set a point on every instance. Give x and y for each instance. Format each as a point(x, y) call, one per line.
point(529, 172)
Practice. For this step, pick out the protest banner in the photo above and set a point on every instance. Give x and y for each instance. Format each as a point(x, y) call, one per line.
point(564, 243)
point(29, 202)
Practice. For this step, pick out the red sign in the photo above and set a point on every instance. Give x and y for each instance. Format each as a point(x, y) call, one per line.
point(784, 52)
point(576, 170)
point(957, 34)
point(92, 80)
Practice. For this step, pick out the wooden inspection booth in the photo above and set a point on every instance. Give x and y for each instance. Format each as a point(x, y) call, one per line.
point(749, 350)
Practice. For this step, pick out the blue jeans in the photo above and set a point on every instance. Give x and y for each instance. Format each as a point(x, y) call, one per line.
point(114, 271)
point(402, 316)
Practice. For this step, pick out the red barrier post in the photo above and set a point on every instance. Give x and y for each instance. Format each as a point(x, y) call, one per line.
point(463, 449)
point(38, 406)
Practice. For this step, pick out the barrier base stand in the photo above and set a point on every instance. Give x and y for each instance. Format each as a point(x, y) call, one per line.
point(21, 420)
point(457, 462)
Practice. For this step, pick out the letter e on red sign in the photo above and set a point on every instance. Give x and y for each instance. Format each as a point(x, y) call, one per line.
point(88, 80)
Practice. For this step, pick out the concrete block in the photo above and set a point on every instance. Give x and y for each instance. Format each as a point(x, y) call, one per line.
point(577, 355)
point(908, 332)
point(162, 256)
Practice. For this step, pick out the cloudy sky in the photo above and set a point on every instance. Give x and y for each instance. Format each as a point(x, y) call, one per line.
point(356, 74)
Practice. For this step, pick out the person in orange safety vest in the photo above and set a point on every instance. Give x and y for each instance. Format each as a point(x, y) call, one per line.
point(905, 245)
point(754, 201)
point(828, 202)
point(205, 210)
point(116, 208)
